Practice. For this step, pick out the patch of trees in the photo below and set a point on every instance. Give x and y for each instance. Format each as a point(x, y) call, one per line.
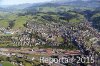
point(67, 16)
point(96, 22)
point(47, 17)
point(89, 13)
point(11, 24)
point(93, 16)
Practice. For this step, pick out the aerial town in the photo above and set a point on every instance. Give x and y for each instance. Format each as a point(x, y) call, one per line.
point(50, 34)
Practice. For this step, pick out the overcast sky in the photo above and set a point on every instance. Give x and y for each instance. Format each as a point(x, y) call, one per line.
point(16, 2)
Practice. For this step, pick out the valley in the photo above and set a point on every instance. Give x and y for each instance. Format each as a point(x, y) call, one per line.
point(54, 29)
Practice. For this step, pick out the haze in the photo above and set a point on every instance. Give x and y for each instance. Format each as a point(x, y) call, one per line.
point(16, 2)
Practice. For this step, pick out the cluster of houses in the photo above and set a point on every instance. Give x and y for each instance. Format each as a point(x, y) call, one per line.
point(82, 35)
point(55, 34)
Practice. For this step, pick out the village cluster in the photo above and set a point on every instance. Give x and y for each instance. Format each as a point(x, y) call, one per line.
point(82, 38)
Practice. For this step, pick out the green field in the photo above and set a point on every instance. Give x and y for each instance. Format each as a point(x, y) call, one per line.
point(6, 63)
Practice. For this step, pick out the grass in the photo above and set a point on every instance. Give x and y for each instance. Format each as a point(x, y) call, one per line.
point(96, 15)
point(6, 35)
point(6, 63)
point(4, 23)
point(59, 39)
point(8, 45)
point(74, 20)
point(20, 21)
point(27, 64)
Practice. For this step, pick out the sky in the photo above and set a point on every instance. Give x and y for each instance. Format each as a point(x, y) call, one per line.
point(16, 2)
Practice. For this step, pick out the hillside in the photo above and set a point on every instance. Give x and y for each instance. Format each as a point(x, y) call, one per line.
point(96, 21)
point(63, 5)
point(48, 17)
point(56, 11)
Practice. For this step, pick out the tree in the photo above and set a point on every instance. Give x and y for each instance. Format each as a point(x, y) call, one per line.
point(11, 24)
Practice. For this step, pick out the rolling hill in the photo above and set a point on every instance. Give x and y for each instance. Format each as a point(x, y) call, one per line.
point(56, 11)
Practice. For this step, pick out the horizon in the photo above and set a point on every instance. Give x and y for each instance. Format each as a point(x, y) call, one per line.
point(18, 2)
